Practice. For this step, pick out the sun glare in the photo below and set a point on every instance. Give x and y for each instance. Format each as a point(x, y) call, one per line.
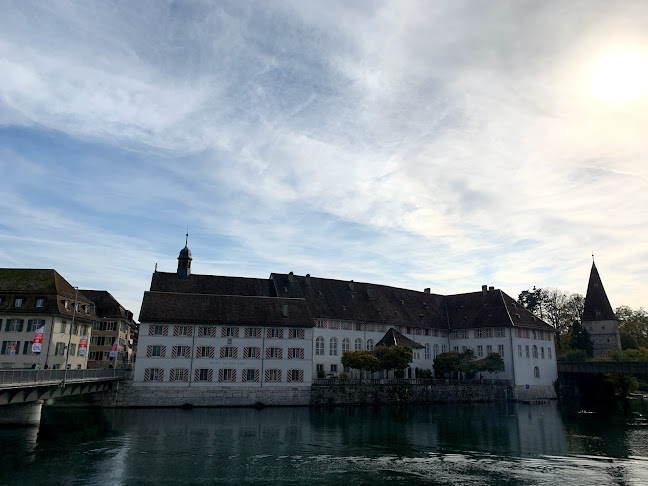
point(620, 77)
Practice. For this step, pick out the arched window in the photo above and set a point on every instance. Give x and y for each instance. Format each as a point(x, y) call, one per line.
point(370, 344)
point(427, 351)
point(536, 372)
point(444, 349)
point(319, 346)
point(333, 346)
point(436, 350)
point(358, 344)
point(535, 351)
point(346, 344)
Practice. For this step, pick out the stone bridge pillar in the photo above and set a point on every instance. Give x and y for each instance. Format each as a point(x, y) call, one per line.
point(21, 413)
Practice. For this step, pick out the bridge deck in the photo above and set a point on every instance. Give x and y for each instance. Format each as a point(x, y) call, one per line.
point(32, 378)
point(596, 367)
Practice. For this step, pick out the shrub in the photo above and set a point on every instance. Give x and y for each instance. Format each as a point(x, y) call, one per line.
point(321, 374)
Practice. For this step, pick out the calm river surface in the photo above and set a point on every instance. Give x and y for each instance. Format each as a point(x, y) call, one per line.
point(427, 444)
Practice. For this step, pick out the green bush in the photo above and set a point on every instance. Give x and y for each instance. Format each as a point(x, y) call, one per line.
point(574, 355)
point(321, 374)
point(343, 375)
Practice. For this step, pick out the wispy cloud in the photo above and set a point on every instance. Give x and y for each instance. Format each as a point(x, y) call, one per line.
point(414, 144)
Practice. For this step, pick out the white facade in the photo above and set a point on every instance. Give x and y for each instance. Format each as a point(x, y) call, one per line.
point(213, 355)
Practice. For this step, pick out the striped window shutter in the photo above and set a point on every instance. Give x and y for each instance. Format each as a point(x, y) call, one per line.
point(221, 374)
point(175, 330)
point(210, 375)
point(267, 375)
point(190, 331)
point(268, 333)
point(162, 351)
point(301, 353)
point(280, 351)
point(186, 375)
point(150, 329)
point(165, 331)
point(246, 353)
point(161, 375)
point(147, 374)
point(171, 374)
point(278, 375)
point(149, 351)
point(291, 352)
point(198, 352)
point(196, 375)
point(281, 333)
point(211, 351)
point(301, 375)
point(267, 354)
point(235, 353)
point(234, 375)
point(257, 376)
point(222, 352)
point(223, 332)
point(236, 332)
point(174, 353)
point(187, 352)
point(289, 376)
point(247, 332)
point(200, 331)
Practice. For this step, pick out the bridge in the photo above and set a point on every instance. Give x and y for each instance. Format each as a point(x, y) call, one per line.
point(22, 392)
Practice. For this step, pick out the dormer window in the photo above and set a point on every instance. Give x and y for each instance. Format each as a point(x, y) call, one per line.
point(18, 302)
point(86, 309)
point(40, 302)
point(67, 304)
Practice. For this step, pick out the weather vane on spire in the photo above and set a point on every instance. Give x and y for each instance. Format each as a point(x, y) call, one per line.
point(187, 236)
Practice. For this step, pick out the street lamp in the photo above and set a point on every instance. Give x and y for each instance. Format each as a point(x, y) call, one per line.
point(67, 353)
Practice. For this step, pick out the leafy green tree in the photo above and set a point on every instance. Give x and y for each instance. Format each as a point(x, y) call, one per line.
point(633, 322)
point(493, 363)
point(445, 363)
point(580, 339)
point(361, 360)
point(628, 341)
point(532, 301)
point(393, 357)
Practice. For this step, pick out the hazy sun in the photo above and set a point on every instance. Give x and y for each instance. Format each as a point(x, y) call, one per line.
point(620, 77)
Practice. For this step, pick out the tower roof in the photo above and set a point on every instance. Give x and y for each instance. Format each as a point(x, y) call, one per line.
point(597, 305)
point(185, 254)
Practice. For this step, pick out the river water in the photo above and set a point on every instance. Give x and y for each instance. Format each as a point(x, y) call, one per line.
point(465, 444)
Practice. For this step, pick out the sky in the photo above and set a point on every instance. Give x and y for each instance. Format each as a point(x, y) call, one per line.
point(415, 144)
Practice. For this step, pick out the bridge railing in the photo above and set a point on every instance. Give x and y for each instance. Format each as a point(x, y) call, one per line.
point(25, 377)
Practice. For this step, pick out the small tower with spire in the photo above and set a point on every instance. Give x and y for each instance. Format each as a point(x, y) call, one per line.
point(184, 261)
point(598, 317)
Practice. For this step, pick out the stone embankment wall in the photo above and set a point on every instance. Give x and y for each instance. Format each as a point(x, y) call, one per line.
point(130, 395)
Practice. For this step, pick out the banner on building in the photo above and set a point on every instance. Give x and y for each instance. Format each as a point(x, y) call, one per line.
point(113, 350)
point(37, 343)
point(13, 349)
point(83, 345)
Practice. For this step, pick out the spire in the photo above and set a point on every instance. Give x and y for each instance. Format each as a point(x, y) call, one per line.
point(184, 260)
point(597, 305)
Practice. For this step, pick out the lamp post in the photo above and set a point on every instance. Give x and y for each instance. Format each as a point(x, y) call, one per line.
point(67, 351)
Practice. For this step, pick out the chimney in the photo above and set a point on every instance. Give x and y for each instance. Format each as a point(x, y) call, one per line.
point(285, 310)
point(351, 286)
point(426, 291)
point(308, 279)
point(291, 278)
point(491, 289)
point(484, 290)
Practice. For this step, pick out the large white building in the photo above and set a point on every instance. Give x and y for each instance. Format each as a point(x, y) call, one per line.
point(202, 330)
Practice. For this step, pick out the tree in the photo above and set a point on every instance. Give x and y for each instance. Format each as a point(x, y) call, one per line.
point(445, 363)
point(493, 363)
point(467, 363)
point(628, 341)
point(633, 322)
point(531, 300)
point(393, 357)
point(580, 339)
point(361, 360)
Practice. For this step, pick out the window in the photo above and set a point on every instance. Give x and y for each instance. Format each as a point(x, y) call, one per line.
point(535, 351)
point(478, 333)
point(296, 353)
point(153, 374)
point(520, 350)
point(273, 353)
point(59, 349)
point(319, 346)
point(542, 353)
point(158, 330)
point(75, 329)
point(526, 348)
point(358, 344)
point(480, 351)
point(549, 353)
point(40, 302)
point(489, 349)
point(297, 333)
point(536, 372)
point(182, 331)
point(66, 304)
point(444, 348)
point(252, 332)
point(488, 333)
point(156, 351)
point(14, 325)
point(72, 349)
point(181, 352)
point(252, 353)
point(250, 375)
point(7, 346)
point(455, 349)
point(435, 349)
point(370, 344)
point(295, 375)
point(179, 374)
point(227, 375)
point(273, 375)
point(346, 344)
point(427, 351)
point(203, 374)
point(333, 349)
point(500, 350)
point(228, 352)
point(275, 333)
point(228, 332)
point(464, 334)
point(18, 302)
point(319, 367)
point(27, 348)
point(500, 332)
point(334, 368)
point(63, 326)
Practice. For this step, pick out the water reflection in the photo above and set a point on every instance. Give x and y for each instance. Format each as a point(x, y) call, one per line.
point(449, 444)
